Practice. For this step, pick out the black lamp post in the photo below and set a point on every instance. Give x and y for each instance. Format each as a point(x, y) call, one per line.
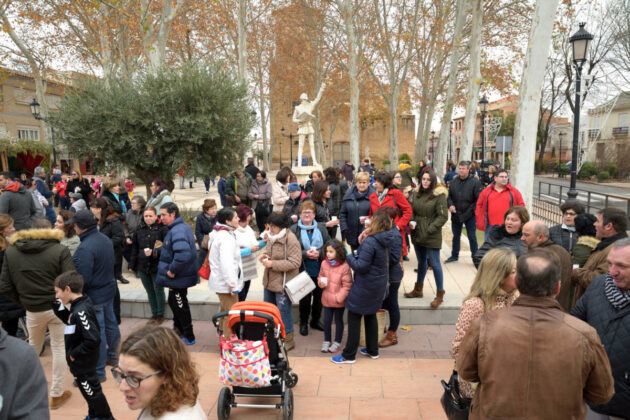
point(35, 111)
point(483, 107)
point(290, 137)
point(561, 137)
point(432, 149)
point(579, 42)
point(450, 143)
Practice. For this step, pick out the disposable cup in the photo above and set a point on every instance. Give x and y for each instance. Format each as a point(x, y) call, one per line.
point(324, 280)
point(413, 224)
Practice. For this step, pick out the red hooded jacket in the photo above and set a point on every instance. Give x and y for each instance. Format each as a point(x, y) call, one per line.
point(492, 205)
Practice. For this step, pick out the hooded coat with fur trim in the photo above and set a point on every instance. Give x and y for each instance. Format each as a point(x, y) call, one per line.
point(430, 212)
point(31, 266)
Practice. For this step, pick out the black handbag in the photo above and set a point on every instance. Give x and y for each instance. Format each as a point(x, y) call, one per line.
point(455, 406)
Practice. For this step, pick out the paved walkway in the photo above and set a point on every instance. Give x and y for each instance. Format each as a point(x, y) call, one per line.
point(404, 383)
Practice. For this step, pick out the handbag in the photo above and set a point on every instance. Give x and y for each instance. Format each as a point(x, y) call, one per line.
point(299, 286)
point(244, 363)
point(455, 406)
point(204, 271)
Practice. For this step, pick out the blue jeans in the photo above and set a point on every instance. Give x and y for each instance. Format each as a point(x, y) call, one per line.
point(433, 254)
point(110, 336)
point(471, 231)
point(281, 300)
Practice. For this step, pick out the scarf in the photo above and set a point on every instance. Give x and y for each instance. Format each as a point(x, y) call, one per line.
point(273, 238)
point(381, 195)
point(569, 228)
point(615, 296)
point(219, 226)
point(122, 203)
point(315, 240)
point(333, 263)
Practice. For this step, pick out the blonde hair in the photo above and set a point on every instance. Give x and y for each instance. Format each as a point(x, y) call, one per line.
point(5, 222)
point(362, 176)
point(495, 267)
point(110, 182)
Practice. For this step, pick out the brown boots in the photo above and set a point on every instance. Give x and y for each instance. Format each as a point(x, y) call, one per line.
point(438, 299)
point(390, 339)
point(416, 292)
point(289, 342)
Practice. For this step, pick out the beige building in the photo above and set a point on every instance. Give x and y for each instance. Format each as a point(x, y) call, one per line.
point(608, 129)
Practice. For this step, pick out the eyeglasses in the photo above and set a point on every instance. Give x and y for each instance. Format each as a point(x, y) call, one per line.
point(307, 212)
point(570, 213)
point(397, 176)
point(73, 173)
point(132, 381)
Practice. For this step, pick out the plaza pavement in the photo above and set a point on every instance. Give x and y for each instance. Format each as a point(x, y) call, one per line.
point(404, 383)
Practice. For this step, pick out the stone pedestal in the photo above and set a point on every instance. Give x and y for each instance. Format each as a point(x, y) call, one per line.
point(302, 172)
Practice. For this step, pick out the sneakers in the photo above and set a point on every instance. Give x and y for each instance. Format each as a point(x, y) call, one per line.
point(364, 352)
point(340, 360)
point(334, 347)
point(56, 402)
point(451, 259)
point(326, 347)
point(188, 342)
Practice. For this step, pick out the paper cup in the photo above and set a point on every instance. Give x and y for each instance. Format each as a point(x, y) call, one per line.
point(324, 280)
point(147, 251)
point(333, 218)
point(576, 266)
point(313, 248)
point(367, 222)
point(413, 224)
point(362, 218)
point(294, 218)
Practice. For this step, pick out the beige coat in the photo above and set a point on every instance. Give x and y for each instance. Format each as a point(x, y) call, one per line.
point(274, 276)
point(533, 361)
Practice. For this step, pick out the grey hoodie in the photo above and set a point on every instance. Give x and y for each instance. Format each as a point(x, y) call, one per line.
point(17, 202)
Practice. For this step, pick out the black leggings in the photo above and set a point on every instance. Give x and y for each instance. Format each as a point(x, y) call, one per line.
point(354, 333)
point(329, 314)
point(90, 388)
point(182, 320)
point(314, 309)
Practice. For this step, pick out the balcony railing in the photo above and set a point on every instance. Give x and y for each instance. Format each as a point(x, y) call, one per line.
point(593, 132)
point(620, 131)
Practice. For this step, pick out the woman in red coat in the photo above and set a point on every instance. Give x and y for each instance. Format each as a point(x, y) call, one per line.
point(385, 195)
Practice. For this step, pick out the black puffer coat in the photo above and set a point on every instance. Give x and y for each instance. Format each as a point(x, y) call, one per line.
point(8, 309)
point(613, 327)
point(145, 237)
point(563, 237)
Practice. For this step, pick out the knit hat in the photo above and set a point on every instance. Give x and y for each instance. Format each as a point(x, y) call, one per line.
point(293, 186)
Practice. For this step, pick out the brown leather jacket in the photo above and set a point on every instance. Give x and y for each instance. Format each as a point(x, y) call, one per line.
point(565, 297)
point(533, 361)
point(272, 279)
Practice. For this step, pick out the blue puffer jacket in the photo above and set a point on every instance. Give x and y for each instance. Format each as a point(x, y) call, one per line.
point(179, 255)
point(94, 260)
point(395, 252)
point(353, 206)
point(370, 274)
point(613, 327)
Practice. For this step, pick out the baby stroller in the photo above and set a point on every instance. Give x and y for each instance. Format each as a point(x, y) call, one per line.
point(255, 326)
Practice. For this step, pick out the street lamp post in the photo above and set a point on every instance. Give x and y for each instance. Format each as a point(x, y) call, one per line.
point(579, 42)
point(432, 149)
point(290, 137)
point(561, 137)
point(36, 114)
point(483, 107)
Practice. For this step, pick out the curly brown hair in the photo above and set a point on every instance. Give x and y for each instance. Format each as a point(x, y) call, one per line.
point(163, 350)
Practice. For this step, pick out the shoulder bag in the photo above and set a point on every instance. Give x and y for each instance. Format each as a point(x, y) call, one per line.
point(299, 286)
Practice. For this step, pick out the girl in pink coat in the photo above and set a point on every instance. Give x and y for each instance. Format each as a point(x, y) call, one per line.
point(335, 277)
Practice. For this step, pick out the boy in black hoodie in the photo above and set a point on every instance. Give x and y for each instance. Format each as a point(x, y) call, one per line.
point(82, 340)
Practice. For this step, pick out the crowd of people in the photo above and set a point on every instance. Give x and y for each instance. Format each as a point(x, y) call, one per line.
point(350, 233)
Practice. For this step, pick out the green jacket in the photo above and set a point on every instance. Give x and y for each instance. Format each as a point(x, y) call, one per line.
point(582, 250)
point(31, 266)
point(231, 185)
point(407, 178)
point(430, 216)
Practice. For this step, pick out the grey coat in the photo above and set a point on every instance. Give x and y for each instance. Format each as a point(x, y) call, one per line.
point(19, 205)
point(263, 190)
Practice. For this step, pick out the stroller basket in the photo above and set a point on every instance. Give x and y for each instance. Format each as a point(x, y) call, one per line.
point(254, 361)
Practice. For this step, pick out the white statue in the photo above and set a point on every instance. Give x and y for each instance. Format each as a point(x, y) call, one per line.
point(303, 115)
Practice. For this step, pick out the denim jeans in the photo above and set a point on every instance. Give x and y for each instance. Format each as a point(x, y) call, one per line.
point(471, 231)
point(110, 336)
point(281, 300)
point(433, 254)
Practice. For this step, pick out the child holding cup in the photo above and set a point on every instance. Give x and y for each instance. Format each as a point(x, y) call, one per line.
point(335, 278)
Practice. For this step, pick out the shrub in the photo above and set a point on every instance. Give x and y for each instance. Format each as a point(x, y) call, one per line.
point(603, 175)
point(561, 168)
point(612, 170)
point(588, 170)
point(386, 162)
point(404, 157)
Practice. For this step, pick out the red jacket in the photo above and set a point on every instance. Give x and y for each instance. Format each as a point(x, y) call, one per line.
point(396, 199)
point(492, 205)
point(61, 188)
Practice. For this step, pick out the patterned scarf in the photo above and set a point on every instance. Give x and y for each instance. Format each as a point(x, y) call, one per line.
point(615, 296)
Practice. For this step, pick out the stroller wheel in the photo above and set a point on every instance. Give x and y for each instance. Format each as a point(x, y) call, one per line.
point(292, 379)
point(224, 404)
point(287, 405)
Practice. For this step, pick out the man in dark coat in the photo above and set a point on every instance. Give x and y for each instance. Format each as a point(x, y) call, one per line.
point(463, 193)
point(177, 269)
point(348, 171)
point(536, 236)
point(94, 260)
point(29, 270)
point(251, 169)
point(606, 307)
point(16, 201)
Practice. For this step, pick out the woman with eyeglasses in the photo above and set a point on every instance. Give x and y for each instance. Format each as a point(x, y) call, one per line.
point(78, 184)
point(157, 376)
point(564, 234)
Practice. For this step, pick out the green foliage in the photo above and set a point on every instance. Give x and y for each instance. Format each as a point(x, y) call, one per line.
point(603, 175)
point(195, 118)
point(386, 162)
point(404, 157)
point(541, 166)
point(588, 170)
point(507, 125)
point(562, 169)
point(14, 146)
point(612, 169)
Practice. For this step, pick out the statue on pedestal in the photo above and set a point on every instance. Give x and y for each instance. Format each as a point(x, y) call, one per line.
point(303, 115)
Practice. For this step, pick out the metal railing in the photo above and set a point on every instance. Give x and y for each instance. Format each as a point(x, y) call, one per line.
point(546, 204)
